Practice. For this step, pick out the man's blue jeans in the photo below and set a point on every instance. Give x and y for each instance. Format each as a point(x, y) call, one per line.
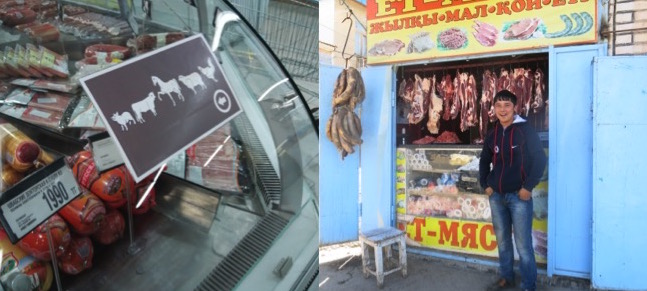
point(510, 213)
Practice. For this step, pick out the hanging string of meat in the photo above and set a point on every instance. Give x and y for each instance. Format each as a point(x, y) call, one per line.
point(446, 90)
point(540, 91)
point(435, 108)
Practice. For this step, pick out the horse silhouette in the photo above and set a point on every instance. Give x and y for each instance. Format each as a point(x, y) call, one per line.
point(168, 87)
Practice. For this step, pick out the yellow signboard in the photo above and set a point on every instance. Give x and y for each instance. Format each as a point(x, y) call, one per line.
point(411, 30)
point(470, 237)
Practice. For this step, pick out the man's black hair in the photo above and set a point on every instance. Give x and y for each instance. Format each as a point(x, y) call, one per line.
point(505, 95)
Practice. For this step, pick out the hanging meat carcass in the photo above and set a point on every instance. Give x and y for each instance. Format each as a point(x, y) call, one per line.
point(420, 103)
point(539, 92)
point(405, 91)
point(522, 89)
point(446, 90)
point(462, 99)
point(470, 95)
point(459, 91)
point(435, 108)
point(487, 108)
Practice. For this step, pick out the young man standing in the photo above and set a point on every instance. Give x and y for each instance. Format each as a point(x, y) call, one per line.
point(512, 162)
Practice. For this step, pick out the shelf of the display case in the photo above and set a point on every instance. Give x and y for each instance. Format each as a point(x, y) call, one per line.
point(432, 192)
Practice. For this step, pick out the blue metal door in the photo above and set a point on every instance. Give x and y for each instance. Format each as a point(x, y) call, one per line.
point(338, 180)
point(570, 147)
point(619, 171)
point(378, 150)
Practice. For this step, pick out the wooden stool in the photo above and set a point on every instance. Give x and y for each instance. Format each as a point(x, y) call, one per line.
point(379, 238)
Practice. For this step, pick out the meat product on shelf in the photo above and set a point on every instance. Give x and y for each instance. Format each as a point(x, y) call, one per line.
point(36, 244)
point(13, 17)
point(18, 150)
point(43, 33)
point(11, 63)
point(43, 117)
point(44, 5)
point(114, 51)
point(420, 103)
point(101, 23)
point(435, 108)
point(16, 261)
point(485, 33)
point(10, 177)
point(446, 90)
point(448, 137)
point(148, 42)
point(453, 38)
point(540, 91)
point(77, 256)
point(85, 115)
point(22, 60)
point(425, 140)
point(54, 63)
point(387, 47)
point(522, 29)
point(84, 213)
point(33, 56)
point(110, 186)
point(111, 228)
point(22, 27)
point(50, 101)
point(70, 10)
point(140, 190)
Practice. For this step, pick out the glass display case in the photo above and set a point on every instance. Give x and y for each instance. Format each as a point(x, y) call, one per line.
point(239, 208)
point(440, 181)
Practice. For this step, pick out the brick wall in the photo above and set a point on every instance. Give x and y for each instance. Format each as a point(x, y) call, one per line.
point(629, 36)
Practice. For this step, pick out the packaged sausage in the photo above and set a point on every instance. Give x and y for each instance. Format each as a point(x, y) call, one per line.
point(84, 213)
point(20, 96)
point(33, 59)
point(36, 244)
point(48, 118)
point(12, 110)
point(17, 266)
point(50, 101)
point(86, 116)
point(110, 186)
point(18, 150)
point(10, 177)
point(43, 33)
point(77, 256)
point(11, 65)
point(54, 63)
point(22, 60)
point(110, 50)
point(17, 16)
point(111, 228)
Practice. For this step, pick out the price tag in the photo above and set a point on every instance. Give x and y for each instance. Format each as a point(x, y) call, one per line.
point(105, 152)
point(35, 199)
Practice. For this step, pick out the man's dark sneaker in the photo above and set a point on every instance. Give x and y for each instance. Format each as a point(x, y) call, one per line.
point(501, 284)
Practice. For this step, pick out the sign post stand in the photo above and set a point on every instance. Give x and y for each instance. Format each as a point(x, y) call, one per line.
point(52, 252)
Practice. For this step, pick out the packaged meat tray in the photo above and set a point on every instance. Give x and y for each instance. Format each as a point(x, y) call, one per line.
point(20, 96)
point(50, 101)
point(85, 116)
point(43, 117)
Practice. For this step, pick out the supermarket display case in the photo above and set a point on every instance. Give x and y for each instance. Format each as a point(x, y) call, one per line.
point(440, 181)
point(244, 218)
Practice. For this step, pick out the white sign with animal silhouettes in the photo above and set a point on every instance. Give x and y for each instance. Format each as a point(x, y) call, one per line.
point(159, 103)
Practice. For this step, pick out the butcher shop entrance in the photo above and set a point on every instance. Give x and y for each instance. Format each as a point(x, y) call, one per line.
point(443, 112)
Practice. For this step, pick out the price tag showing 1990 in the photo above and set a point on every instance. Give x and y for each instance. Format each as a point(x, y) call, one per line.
point(34, 205)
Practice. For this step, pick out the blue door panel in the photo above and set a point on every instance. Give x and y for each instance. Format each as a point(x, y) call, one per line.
point(338, 180)
point(619, 167)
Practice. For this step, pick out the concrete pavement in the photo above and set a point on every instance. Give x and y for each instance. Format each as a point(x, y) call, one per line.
point(340, 268)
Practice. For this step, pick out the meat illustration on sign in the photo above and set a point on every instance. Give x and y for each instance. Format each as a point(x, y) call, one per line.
point(485, 33)
point(453, 38)
point(387, 47)
point(123, 119)
point(168, 87)
point(208, 71)
point(148, 104)
point(522, 29)
point(192, 81)
point(420, 42)
point(583, 23)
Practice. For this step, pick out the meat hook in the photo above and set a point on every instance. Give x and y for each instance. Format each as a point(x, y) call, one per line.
point(343, 51)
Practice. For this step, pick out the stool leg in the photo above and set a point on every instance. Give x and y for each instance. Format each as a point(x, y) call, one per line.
point(379, 266)
point(403, 256)
point(365, 257)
